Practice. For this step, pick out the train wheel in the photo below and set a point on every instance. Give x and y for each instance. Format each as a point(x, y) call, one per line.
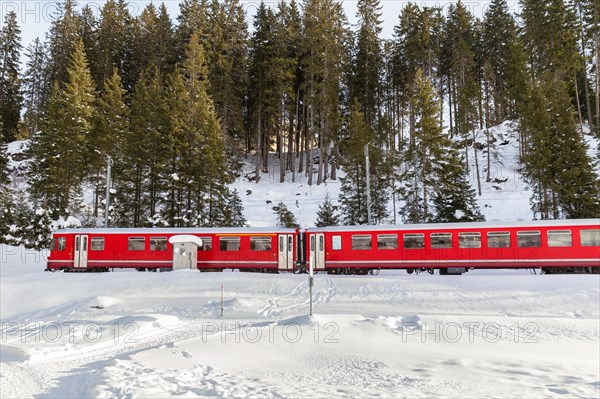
point(374, 272)
point(410, 271)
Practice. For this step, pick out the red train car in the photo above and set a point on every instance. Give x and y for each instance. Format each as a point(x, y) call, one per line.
point(553, 246)
point(167, 248)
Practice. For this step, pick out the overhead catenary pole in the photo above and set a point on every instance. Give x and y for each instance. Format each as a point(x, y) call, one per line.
point(108, 183)
point(310, 285)
point(369, 220)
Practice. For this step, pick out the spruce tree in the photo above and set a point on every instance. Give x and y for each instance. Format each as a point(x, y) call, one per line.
point(112, 34)
point(110, 128)
point(326, 215)
point(6, 200)
point(285, 217)
point(368, 61)
point(499, 40)
point(227, 60)
point(36, 85)
point(64, 34)
point(10, 84)
point(267, 71)
point(234, 211)
point(435, 186)
point(61, 149)
point(140, 180)
point(556, 163)
point(324, 62)
point(353, 195)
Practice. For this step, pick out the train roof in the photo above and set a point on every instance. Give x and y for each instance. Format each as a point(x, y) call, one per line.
point(465, 225)
point(176, 230)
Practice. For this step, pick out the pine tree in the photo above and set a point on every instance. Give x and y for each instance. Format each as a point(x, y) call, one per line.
point(285, 218)
point(60, 150)
point(10, 84)
point(326, 214)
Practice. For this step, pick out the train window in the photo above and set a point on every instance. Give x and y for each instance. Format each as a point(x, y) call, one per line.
point(529, 239)
point(362, 242)
point(321, 243)
point(281, 243)
point(498, 239)
point(206, 244)
point(469, 240)
point(336, 243)
point(560, 238)
point(441, 240)
point(414, 241)
point(229, 243)
point(158, 243)
point(60, 243)
point(136, 244)
point(590, 238)
point(387, 241)
point(312, 243)
point(261, 243)
point(97, 244)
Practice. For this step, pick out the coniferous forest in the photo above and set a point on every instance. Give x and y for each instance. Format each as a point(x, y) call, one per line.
point(180, 103)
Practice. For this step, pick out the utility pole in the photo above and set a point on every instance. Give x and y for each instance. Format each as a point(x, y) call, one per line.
point(108, 183)
point(368, 185)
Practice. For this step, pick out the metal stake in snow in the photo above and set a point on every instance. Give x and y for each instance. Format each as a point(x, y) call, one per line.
point(222, 299)
point(368, 184)
point(108, 167)
point(310, 285)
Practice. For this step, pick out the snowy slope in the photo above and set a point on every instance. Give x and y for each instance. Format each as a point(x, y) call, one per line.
point(128, 334)
point(504, 198)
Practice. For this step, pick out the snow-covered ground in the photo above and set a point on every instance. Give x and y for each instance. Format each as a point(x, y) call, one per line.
point(129, 334)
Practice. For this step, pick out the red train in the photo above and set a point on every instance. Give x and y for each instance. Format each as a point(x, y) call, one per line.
point(557, 246)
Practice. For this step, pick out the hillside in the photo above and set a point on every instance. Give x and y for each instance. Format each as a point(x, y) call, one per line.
point(504, 198)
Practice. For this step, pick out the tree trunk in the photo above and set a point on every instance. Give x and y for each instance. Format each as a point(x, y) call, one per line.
point(258, 143)
point(477, 163)
point(577, 99)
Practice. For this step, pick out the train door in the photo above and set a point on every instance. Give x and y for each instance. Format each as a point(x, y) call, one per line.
point(317, 251)
point(286, 252)
point(185, 255)
point(81, 251)
point(185, 251)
